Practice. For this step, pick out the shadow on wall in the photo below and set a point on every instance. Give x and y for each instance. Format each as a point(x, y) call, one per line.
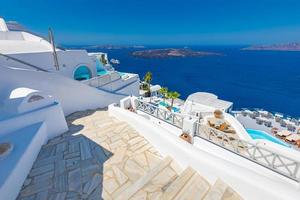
point(68, 166)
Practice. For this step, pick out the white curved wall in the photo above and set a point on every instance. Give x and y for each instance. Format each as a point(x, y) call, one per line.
point(72, 95)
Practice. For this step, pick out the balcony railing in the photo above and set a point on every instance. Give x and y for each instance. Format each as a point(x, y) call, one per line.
point(278, 163)
point(165, 115)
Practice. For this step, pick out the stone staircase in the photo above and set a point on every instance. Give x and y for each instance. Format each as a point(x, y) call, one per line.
point(166, 182)
point(101, 157)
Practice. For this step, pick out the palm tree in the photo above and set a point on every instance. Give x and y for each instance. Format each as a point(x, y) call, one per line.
point(164, 92)
point(173, 96)
point(148, 79)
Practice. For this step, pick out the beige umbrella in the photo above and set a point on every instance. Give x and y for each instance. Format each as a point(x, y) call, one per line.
point(293, 137)
point(283, 133)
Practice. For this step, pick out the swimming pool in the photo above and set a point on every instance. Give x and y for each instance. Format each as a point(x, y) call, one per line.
point(167, 105)
point(258, 134)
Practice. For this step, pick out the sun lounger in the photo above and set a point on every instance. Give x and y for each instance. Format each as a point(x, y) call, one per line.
point(259, 121)
point(291, 127)
point(268, 123)
point(292, 138)
point(282, 123)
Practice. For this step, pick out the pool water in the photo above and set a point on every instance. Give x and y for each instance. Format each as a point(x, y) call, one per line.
point(167, 105)
point(258, 134)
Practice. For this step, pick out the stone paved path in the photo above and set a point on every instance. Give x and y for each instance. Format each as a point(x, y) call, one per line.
point(97, 158)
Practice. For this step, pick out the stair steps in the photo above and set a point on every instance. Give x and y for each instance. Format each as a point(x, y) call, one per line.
point(196, 188)
point(140, 183)
point(179, 183)
point(221, 191)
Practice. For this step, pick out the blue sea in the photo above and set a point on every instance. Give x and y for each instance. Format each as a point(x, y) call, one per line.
point(250, 79)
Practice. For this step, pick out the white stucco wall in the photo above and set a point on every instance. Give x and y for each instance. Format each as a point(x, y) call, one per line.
point(16, 165)
point(72, 95)
point(250, 183)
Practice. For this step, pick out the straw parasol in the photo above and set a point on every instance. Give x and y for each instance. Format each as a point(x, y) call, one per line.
point(283, 133)
point(293, 138)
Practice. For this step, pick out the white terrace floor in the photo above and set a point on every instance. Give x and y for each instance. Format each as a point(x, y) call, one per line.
point(103, 158)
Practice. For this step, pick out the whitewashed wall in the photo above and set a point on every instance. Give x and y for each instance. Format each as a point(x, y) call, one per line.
point(72, 95)
point(254, 183)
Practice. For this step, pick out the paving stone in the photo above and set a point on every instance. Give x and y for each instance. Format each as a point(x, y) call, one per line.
point(34, 189)
point(85, 151)
point(71, 195)
point(141, 160)
point(42, 195)
point(71, 155)
point(27, 181)
point(96, 194)
point(59, 167)
point(90, 186)
point(120, 176)
point(135, 140)
point(117, 144)
point(61, 182)
point(47, 152)
point(133, 170)
point(41, 170)
point(58, 196)
point(118, 156)
point(100, 157)
point(138, 145)
point(110, 185)
point(74, 180)
point(48, 176)
point(61, 147)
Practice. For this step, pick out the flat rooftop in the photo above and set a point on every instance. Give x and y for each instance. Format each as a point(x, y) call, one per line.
point(209, 99)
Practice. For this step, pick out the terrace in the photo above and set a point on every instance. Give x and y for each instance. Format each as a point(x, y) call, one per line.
point(102, 157)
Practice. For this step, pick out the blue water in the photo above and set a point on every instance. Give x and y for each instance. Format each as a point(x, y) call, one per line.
point(167, 105)
point(257, 134)
point(254, 79)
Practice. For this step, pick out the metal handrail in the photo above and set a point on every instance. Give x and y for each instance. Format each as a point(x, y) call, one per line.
point(260, 155)
point(280, 164)
point(23, 62)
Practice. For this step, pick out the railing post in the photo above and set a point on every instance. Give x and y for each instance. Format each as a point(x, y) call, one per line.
point(189, 126)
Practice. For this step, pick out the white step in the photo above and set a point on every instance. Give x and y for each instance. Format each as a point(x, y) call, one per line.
point(221, 191)
point(140, 183)
point(196, 188)
point(179, 183)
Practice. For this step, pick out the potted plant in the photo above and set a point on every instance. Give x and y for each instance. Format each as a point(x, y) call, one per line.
point(147, 80)
point(186, 137)
point(218, 114)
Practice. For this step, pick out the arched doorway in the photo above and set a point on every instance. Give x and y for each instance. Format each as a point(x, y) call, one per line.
point(82, 73)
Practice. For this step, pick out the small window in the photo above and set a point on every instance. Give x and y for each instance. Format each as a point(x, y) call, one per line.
point(34, 98)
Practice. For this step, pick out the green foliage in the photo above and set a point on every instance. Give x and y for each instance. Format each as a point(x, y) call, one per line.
point(103, 60)
point(172, 95)
point(164, 92)
point(148, 77)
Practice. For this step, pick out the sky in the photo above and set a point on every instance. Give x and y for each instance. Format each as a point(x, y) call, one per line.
point(159, 22)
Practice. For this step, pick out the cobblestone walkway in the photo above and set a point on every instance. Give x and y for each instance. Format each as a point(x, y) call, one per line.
point(97, 158)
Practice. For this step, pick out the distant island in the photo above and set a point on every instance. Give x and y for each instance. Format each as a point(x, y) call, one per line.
point(170, 52)
point(109, 47)
point(275, 47)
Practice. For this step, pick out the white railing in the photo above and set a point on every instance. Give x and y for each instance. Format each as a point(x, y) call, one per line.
point(165, 115)
point(260, 155)
point(98, 81)
point(280, 164)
